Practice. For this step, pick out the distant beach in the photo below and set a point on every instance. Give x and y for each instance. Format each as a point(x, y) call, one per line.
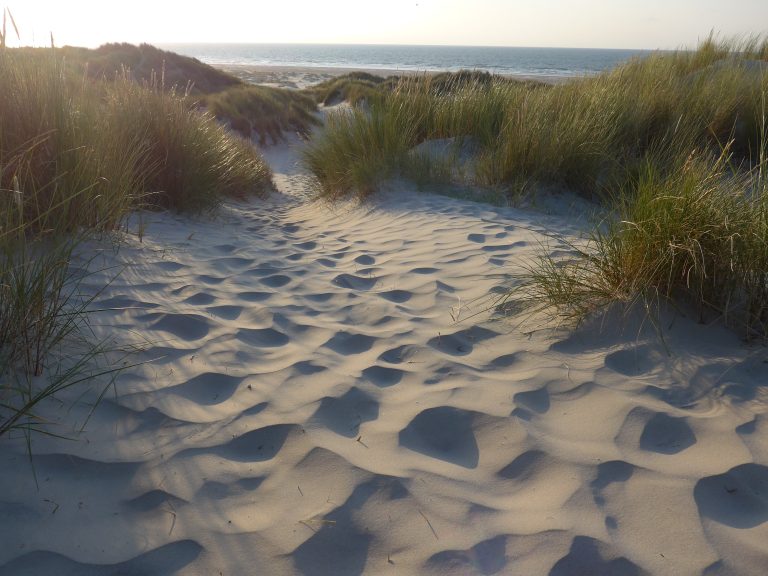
point(325, 60)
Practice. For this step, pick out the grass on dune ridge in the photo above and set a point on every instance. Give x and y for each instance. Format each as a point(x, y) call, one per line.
point(263, 111)
point(358, 86)
point(248, 109)
point(75, 156)
point(672, 144)
point(580, 133)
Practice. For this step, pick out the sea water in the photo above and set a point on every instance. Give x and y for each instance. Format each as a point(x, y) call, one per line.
point(499, 60)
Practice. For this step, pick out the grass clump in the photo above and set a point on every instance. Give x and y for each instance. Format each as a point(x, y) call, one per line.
point(694, 235)
point(355, 87)
point(189, 162)
point(371, 149)
point(75, 158)
point(581, 134)
point(263, 111)
point(377, 140)
point(247, 109)
point(45, 340)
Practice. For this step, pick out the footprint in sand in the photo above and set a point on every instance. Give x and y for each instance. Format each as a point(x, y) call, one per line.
point(233, 263)
point(524, 466)
point(661, 433)
point(445, 433)
point(200, 299)
point(463, 342)
point(748, 427)
point(399, 355)
point(738, 498)
point(396, 296)
point(255, 446)
point(382, 376)
point(344, 414)
point(609, 473)
point(254, 296)
point(276, 281)
point(341, 545)
point(346, 343)
point(486, 557)
point(154, 500)
point(590, 556)
point(214, 490)
point(666, 434)
point(211, 280)
point(533, 400)
point(225, 312)
point(424, 270)
point(262, 337)
point(352, 282)
point(207, 389)
point(633, 361)
point(183, 326)
point(168, 266)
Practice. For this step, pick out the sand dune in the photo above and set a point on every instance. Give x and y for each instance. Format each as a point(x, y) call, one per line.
point(299, 77)
point(326, 396)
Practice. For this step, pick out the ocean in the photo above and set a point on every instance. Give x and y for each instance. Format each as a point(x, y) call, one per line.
point(516, 61)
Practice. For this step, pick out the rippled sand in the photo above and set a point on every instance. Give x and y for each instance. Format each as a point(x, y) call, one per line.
point(326, 396)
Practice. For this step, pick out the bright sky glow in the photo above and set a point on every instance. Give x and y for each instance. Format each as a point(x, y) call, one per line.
point(551, 23)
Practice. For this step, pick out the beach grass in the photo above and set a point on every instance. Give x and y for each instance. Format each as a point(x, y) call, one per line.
point(189, 161)
point(75, 157)
point(354, 87)
point(260, 111)
point(692, 235)
point(672, 146)
point(263, 111)
point(581, 134)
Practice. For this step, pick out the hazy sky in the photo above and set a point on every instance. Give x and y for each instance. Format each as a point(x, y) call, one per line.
point(567, 23)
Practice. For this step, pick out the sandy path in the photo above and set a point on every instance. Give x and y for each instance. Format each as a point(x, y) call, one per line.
point(313, 408)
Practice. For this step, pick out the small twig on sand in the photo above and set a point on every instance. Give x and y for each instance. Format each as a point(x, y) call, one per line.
point(172, 512)
point(173, 523)
point(56, 506)
point(321, 522)
point(307, 525)
point(429, 524)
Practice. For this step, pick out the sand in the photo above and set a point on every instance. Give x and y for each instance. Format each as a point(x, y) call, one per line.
point(326, 394)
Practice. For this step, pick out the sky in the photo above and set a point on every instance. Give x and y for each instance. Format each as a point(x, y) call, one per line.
point(650, 24)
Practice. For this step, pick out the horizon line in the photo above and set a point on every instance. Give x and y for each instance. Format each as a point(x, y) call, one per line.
point(231, 43)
